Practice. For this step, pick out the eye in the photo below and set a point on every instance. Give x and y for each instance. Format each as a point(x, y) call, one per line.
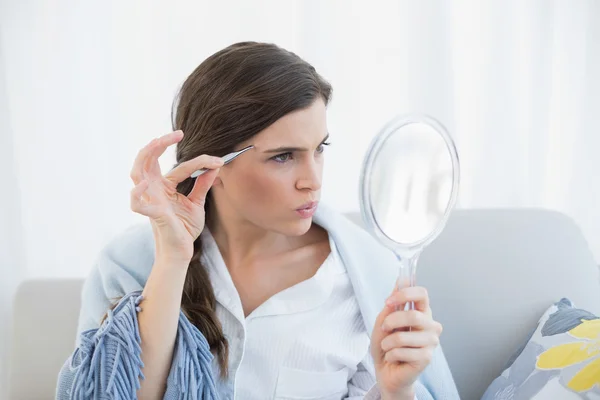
point(283, 157)
point(321, 147)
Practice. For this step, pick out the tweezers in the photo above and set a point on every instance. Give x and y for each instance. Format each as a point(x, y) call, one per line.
point(227, 158)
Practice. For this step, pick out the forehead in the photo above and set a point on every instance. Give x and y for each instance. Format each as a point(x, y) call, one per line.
point(301, 127)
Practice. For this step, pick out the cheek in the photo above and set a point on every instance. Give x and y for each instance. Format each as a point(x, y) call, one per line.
point(263, 187)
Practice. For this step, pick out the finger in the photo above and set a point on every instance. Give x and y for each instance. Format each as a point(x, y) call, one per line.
point(137, 171)
point(416, 294)
point(138, 204)
point(202, 186)
point(160, 146)
point(409, 355)
point(138, 191)
point(378, 334)
point(145, 154)
point(408, 319)
point(415, 339)
point(185, 169)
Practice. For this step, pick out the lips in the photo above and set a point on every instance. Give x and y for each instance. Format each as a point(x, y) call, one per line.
point(307, 210)
point(308, 206)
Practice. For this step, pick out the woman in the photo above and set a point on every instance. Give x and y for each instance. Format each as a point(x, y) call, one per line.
point(243, 263)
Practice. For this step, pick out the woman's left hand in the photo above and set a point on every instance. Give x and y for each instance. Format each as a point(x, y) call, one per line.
point(400, 354)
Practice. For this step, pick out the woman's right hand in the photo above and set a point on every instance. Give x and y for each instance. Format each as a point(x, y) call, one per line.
point(177, 220)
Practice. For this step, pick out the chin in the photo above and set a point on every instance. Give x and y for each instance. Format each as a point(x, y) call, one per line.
point(297, 228)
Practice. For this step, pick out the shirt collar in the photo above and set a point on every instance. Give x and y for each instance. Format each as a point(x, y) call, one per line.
point(304, 296)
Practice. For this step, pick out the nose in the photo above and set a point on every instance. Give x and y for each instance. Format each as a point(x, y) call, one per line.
point(311, 176)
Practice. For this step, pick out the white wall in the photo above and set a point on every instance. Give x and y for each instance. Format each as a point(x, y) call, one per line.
point(11, 237)
point(88, 83)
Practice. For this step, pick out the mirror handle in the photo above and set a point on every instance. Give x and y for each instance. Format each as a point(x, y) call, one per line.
point(407, 276)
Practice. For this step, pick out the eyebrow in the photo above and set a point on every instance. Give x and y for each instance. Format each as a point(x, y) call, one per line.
point(292, 149)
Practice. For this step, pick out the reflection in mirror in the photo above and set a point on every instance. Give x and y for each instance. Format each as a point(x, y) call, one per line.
point(411, 183)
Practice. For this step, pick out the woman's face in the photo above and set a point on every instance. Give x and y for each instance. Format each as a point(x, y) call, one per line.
point(271, 185)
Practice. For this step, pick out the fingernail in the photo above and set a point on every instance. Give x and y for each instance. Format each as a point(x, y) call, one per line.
point(389, 302)
point(383, 328)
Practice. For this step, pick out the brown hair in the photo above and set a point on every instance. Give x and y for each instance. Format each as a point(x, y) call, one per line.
point(229, 98)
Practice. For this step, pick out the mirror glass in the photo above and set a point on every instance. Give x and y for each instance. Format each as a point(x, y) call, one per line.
point(409, 185)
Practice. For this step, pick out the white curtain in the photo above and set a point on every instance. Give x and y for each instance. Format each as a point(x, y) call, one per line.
point(83, 85)
point(11, 233)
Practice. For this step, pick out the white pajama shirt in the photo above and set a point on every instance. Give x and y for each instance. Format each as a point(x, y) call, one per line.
point(306, 342)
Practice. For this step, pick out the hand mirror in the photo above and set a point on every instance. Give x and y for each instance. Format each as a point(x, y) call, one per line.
point(409, 185)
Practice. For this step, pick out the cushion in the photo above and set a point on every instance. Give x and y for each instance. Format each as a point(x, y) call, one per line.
point(560, 359)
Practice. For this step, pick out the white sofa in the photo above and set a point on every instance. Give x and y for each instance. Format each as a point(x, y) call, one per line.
point(490, 276)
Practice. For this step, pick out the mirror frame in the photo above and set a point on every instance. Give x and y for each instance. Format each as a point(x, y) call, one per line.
point(366, 205)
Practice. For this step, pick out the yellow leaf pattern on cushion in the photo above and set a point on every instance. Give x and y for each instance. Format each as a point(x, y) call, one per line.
point(563, 355)
point(567, 354)
point(587, 377)
point(587, 330)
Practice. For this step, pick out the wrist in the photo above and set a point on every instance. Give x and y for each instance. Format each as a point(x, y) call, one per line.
point(173, 246)
point(171, 260)
point(174, 254)
point(403, 394)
